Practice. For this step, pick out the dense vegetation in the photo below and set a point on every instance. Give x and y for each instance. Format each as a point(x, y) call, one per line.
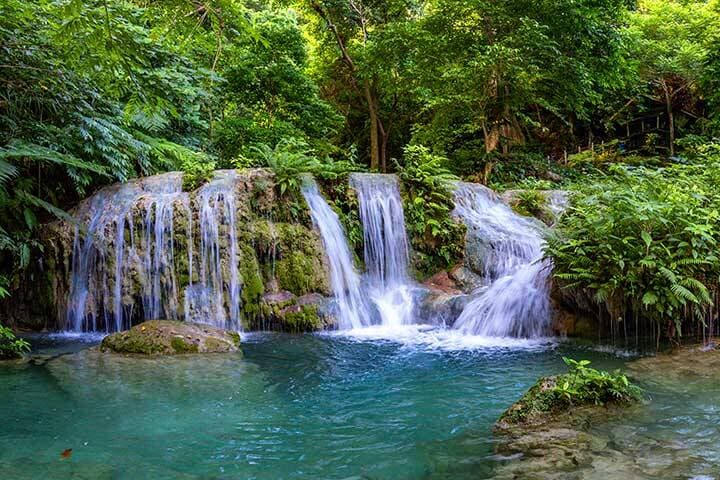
point(617, 99)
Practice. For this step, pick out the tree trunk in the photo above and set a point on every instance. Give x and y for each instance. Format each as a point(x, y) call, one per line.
point(671, 117)
point(374, 127)
point(487, 169)
point(385, 134)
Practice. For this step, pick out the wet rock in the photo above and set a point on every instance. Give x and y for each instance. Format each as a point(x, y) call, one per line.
point(442, 309)
point(574, 312)
point(166, 337)
point(282, 298)
point(693, 363)
point(283, 311)
point(442, 282)
point(544, 205)
point(465, 279)
point(547, 438)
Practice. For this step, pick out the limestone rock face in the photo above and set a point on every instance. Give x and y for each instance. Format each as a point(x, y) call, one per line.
point(148, 249)
point(166, 337)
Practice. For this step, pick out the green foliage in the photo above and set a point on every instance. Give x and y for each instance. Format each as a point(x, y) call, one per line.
point(89, 94)
point(197, 170)
point(291, 160)
point(584, 385)
point(644, 242)
point(10, 345)
point(266, 95)
point(581, 386)
point(530, 203)
point(436, 237)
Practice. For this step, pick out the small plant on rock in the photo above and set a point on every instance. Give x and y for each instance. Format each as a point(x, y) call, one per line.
point(585, 385)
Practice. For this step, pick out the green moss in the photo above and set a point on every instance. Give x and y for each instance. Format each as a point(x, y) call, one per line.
point(581, 386)
point(253, 286)
point(147, 342)
point(235, 338)
point(170, 337)
point(299, 264)
point(539, 399)
point(301, 318)
point(532, 203)
point(215, 345)
point(181, 346)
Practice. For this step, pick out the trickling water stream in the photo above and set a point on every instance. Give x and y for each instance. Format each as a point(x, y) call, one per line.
point(103, 254)
point(219, 275)
point(515, 300)
point(385, 247)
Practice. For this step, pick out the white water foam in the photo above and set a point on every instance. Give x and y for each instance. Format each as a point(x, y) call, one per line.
point(516, 299)
point(432, 337)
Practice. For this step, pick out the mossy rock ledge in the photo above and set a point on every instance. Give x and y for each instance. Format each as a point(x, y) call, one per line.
point(543, 435)
point(167, 337)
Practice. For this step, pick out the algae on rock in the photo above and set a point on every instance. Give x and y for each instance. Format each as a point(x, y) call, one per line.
point(147, 259)
point(165, 337)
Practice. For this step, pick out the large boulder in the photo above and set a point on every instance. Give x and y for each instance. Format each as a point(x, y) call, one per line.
point(167, 337)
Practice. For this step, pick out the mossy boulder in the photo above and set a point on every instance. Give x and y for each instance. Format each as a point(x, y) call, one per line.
point(560, 394)
point(545, 205)
point(167, 337)
point(550, 429)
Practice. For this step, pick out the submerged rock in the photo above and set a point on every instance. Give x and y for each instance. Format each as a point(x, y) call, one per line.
point(691, 363)
point(615, 441)
point(167, 337)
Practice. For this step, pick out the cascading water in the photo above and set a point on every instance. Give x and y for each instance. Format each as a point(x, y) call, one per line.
point(385, 247)
point(515, 300)
point(125, 257)
point(101, 258)
point(218, 274)
point(352, 311)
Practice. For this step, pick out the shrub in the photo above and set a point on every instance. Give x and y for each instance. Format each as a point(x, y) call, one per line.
point(436, 237)
point(581, 386)
point(10, 345)
point(197, 170)
point(291, 159)
point(531, 203)
point(643, 243)
point(584, 385)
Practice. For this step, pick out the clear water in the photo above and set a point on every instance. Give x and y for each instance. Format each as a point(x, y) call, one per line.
point(311, 406)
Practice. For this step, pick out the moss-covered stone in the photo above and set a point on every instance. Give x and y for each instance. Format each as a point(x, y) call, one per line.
point(165, 337)
point(582, 386)
point(180, 345)
point(301, 318)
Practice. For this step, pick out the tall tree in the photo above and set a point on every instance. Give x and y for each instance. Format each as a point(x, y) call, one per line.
point(672, 42)
point(505, 70)
point(361, 42)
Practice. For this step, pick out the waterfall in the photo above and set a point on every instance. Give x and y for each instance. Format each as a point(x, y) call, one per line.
point(515, 300)
point(218, 272)
point(124, 265)
point(352, 312)
point(385, 247)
